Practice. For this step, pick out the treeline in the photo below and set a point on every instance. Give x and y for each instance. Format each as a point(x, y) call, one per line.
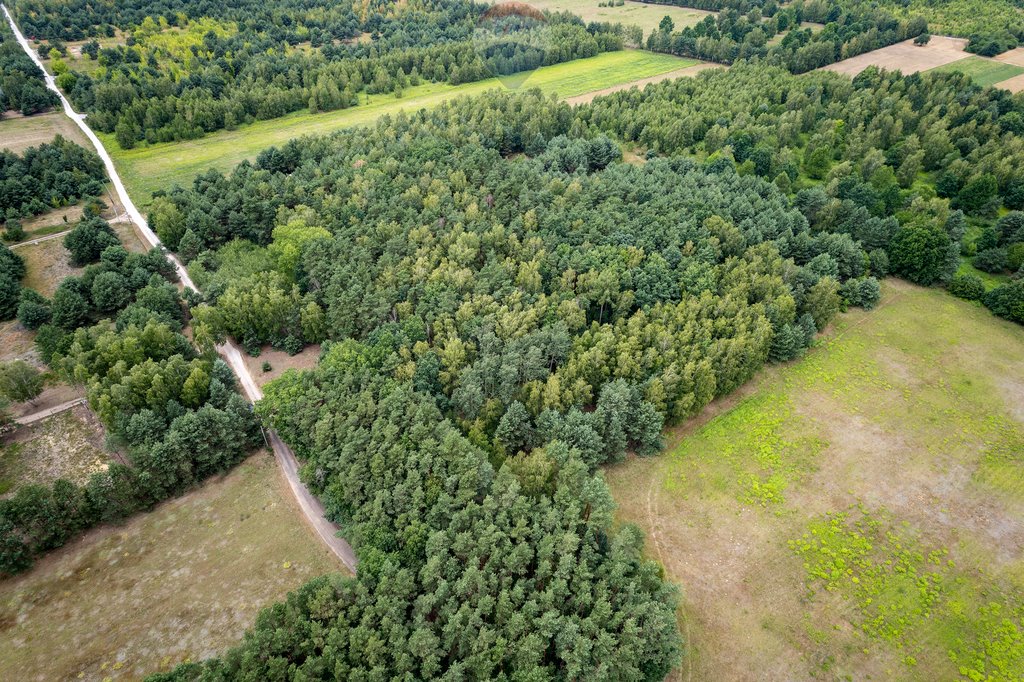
point(175, 412)
point(732, 35)
point(22, 87)
point(49, 176)
point(179, 78)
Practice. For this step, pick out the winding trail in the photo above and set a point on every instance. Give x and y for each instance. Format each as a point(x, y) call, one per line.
point(310, 505)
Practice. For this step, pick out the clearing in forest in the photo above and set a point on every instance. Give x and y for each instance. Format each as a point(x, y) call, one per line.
point(68, 445)
point(149, 168)
point(858, 513)
point(180, 583)
point(646, 15)
point(906, 57)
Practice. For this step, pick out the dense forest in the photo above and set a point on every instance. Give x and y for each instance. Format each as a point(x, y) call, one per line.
point(54, 174)
point(178, 75)
point(22, 87)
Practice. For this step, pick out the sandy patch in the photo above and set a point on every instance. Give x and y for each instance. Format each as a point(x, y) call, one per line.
point(906, 56)
point(1015, 84)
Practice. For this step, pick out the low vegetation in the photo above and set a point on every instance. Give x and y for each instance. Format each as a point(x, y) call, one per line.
point(179, 583)
point(984, 71)
point(854, 512)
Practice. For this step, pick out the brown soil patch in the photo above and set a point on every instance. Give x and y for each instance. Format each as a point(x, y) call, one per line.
point(1014, 56)
point(906, 57)
point(280, 362)
point(1015, 84)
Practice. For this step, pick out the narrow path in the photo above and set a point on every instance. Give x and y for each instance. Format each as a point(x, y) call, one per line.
point(49, 412)
point(44, 238)
point(311, 507)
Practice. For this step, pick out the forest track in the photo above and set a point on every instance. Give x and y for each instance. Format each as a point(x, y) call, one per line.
point(311, 507)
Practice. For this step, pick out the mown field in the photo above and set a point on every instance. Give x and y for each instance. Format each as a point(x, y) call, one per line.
point(983, 71)
point(149, 168)
point(182, 582)
point(857, 514)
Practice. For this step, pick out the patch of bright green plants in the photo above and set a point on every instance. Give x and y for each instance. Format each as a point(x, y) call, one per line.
point(913, 597)
point(758, 447)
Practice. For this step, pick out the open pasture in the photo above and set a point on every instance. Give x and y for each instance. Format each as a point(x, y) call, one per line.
point(858, 513)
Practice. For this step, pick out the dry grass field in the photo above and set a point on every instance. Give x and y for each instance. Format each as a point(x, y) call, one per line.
point(856, 514)
point(18, 133)
point(180, 583)
point(642, 14)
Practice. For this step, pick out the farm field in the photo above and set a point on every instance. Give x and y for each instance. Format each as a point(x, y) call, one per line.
point(984, 71)
point(18, 133)
point(182, 582)
point(906, 56)
point(857, 514)
point(642, 14)
point(146, 169)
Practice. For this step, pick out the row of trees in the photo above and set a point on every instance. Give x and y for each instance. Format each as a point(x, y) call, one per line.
point(163, 86)
point(730, 36)
point(54, 174)
point(22, 87)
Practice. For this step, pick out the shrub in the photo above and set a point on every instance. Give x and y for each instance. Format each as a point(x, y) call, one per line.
point(991, 260)
point(969, 287)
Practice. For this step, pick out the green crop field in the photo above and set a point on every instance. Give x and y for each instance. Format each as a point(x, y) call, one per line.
point(983, 71)
point(149, 168)
point(855, 514)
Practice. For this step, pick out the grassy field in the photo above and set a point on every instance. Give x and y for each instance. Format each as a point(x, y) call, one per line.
point(983, 71)
point(68, 445)
point(18, 133)
point(645, 15)
point(149, 168)
point(991, 280)
point(182, 582)
point(857, 514)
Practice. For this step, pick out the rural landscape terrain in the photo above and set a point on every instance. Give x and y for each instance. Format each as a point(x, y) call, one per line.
point(541, 340)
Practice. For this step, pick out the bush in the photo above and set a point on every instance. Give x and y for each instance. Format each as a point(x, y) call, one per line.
point(991, 260)
point(969, 287)
point(33, 310)
point(1007, 301)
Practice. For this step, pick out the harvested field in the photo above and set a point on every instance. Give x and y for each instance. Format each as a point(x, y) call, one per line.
point(857, 514)
point(180, 583)
point(906, 56)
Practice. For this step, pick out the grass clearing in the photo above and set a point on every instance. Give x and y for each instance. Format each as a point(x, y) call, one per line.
point(983, 71)
point(182, 582)
point(645, 15)
point(18, 133)
point(990, 280)
point(149, 168)
point(856, 514)
point(67, 445)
